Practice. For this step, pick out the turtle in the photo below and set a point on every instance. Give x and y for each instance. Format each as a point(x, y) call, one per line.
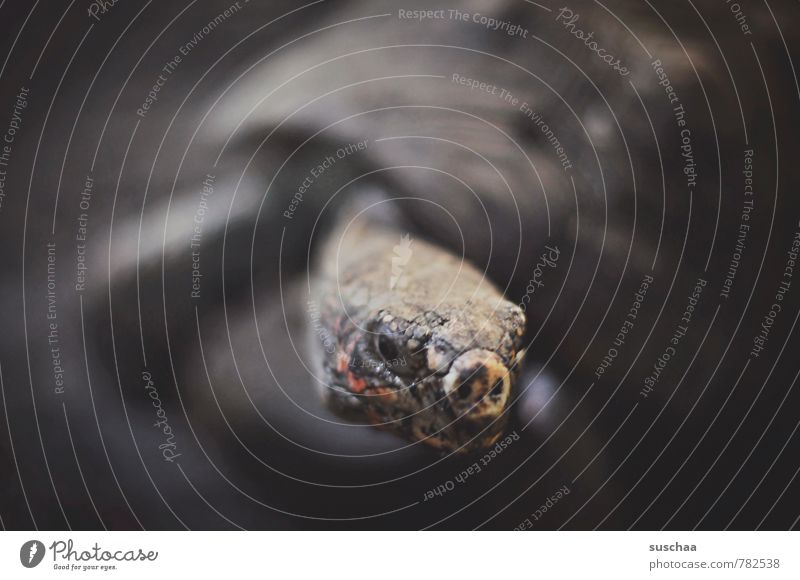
point(367, 249)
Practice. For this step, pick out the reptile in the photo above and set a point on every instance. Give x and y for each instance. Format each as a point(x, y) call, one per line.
point(426, 345)
point(487, 159)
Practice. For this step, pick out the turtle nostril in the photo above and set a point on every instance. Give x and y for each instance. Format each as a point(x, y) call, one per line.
point(464, 390)
point(497, 389)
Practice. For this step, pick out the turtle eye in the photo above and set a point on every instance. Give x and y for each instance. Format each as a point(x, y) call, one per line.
point(387, 348)
point(497, 389)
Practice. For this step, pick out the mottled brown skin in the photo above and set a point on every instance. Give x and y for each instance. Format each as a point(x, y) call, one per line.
point(426, 346)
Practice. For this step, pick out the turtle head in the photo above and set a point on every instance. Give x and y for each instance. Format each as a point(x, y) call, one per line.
point(438, 378)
